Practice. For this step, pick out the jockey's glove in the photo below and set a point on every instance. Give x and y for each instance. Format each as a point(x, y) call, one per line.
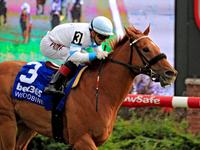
point(102, 55)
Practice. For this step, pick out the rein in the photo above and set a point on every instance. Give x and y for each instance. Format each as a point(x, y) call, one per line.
point(97, 87)
point(127, 65)
point(147, 68)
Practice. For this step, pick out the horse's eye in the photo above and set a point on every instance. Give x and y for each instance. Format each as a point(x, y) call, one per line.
point(146, 50)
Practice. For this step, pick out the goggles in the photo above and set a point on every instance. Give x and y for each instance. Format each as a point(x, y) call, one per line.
point(102, 37)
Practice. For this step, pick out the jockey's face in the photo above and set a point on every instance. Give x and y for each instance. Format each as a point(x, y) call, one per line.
point(24, 11)
point(98, 38)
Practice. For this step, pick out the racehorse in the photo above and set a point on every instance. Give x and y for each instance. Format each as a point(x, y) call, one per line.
point(38, 3)
point(83, 126)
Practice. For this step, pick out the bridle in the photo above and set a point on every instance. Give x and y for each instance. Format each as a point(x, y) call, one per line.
point(147, 68)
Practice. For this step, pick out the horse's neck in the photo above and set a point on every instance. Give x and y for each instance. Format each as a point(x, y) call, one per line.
point(118, 79)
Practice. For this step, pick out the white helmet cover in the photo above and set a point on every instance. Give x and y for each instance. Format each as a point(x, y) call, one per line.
point(102, 25)
point(27, 6)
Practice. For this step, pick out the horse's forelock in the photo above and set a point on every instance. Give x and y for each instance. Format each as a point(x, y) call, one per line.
point(133, 29)
point(121, 40)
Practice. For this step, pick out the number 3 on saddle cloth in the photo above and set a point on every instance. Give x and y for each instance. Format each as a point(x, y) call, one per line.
point(33, 78)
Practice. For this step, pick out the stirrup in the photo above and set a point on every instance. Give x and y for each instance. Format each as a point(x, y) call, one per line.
point(50, 89)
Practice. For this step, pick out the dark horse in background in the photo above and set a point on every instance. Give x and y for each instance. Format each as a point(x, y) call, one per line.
point(84, 128)
point(3, 11)
point(38, 4)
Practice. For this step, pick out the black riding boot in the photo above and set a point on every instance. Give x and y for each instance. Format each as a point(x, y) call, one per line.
point(56, 84)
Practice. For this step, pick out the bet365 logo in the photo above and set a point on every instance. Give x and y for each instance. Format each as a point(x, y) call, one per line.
point(29, 89)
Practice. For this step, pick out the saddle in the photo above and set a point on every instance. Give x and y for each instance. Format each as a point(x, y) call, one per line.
point(52, 65)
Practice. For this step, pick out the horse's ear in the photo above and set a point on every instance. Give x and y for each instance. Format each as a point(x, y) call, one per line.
point(146, 32)
point(127, 31)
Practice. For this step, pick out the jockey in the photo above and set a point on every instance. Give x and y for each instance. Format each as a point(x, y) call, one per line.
point(56, 7)
point(26, 22)
point(55, 13)
point(3, 11)
point(70, 42)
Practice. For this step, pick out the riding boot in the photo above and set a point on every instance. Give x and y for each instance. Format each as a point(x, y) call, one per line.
point(56, 84)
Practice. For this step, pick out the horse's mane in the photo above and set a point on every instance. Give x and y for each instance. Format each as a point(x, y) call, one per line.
point(118, 42)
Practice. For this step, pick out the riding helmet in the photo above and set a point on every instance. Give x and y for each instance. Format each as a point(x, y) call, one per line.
point(102, 25)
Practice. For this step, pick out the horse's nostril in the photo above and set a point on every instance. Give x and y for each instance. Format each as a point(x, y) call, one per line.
point(169, 73)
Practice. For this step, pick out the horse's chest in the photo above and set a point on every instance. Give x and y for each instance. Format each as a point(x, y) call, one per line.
point(100, 140)
point(101, 133)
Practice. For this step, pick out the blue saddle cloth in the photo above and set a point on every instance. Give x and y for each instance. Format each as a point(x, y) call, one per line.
point(31, 81)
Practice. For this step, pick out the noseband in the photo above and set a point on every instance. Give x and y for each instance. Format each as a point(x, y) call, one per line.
point(147, 68)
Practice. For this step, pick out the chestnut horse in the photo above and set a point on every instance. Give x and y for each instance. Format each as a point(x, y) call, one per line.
point(84, 128)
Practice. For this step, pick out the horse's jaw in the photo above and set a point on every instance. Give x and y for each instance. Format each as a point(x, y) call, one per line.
point(164, 82)
point(166, 78)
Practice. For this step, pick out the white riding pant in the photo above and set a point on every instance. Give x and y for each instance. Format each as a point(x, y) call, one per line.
point(53, 51)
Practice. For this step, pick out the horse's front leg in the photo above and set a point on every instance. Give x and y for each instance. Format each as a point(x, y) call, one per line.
point(8, 124)
point(85, 143)
point(24, 135)
point(7, 132)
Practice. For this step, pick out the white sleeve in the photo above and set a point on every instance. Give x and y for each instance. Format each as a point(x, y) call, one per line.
point(97, 49)
point(77, 56)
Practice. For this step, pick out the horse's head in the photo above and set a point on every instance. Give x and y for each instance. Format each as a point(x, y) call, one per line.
point(147, 58)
